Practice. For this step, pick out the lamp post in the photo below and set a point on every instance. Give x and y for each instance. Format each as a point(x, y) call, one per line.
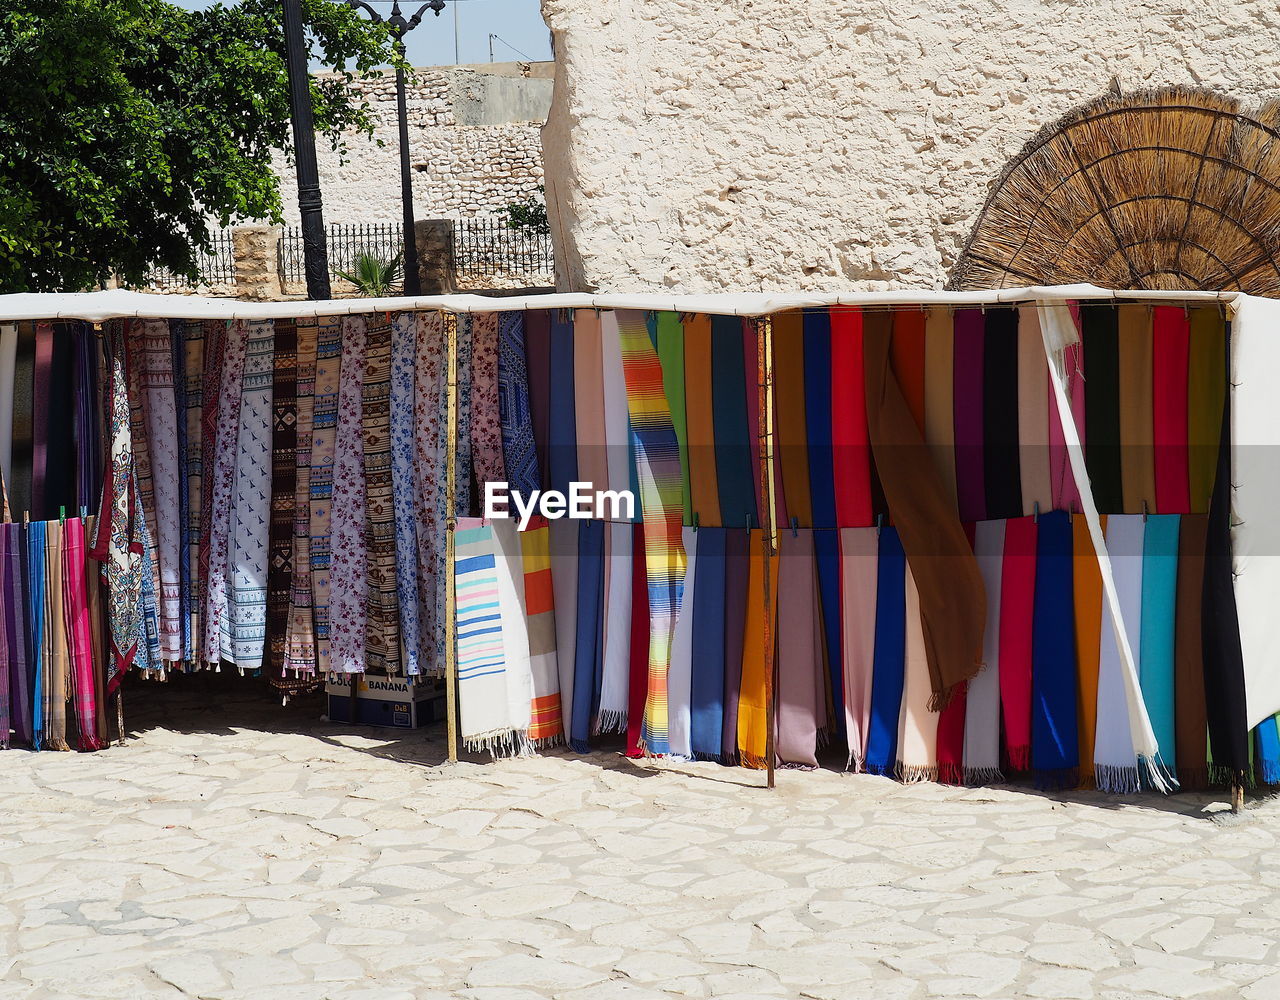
point(310, 206)
point(401, 26)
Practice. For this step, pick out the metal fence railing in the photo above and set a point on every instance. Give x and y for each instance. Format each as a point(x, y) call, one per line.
point(490, 247)
point(216, 267)
point(345, 241)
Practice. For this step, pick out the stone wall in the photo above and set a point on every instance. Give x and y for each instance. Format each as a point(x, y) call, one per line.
point(474, 147)
point(835, 144)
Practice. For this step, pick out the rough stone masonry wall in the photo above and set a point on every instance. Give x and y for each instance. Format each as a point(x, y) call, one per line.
point(460, 171)
point(836, 144)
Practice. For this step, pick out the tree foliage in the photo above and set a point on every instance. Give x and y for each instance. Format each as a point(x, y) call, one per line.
point(127, 124)
point(529, 215)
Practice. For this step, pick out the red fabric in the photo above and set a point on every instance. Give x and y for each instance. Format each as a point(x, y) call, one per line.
point(850, 446)
point(1169, 402)
point(1017, 606)
point(951, 738)
point(638, 687)
point(907, 357)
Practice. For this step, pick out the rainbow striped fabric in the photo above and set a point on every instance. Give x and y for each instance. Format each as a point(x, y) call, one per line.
point(661, 500)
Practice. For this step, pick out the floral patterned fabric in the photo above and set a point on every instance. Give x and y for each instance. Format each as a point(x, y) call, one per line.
point(382, 627)
point(486, 424)
point(300, 638)
point(404, 485)
point(347, 610)
point(324, 424)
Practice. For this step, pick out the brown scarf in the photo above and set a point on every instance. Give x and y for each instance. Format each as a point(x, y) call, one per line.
point(952, 599)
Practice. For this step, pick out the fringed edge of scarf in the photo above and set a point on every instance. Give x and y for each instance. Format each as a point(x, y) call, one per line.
point(975, 777)
point(1056, 779)
point(1117, 779)
point(1267, 772)
point(86, 743)
point(547, 742)
point(1157, 775)
point(791, 766)
point(885, 770)
point(950, 773)
point(1221, 775)
point(56, 743)
point(1019, 758)
point(580, 746)
point(939, 700)
point(613, 720)
point(753, 761)
point(856, 763)
point(725, 759)
point(501, 743)
point(910, 774)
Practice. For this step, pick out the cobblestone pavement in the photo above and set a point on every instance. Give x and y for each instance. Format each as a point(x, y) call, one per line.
point(249, 851)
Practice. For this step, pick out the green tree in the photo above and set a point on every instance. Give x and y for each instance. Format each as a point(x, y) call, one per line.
point(126, 124)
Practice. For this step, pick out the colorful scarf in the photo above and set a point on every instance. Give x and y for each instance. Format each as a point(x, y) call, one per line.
point(858, 569)
point(1137, 455)
point(79, 632)
point(969, 413)
point(752, 704)
point(670, 336)
point(1002, 475)
point(284, 482)
point(735, 485)
point(1171, 344)
point(658, 467)
point(57, 673)
point(1055, 741)
point(704, 491)
point(800, 667)
point(792, 452)
point(562, 433)
point(1017, 610)
point(136, 365)
point(907, 357)
point(430, 420)
point(8, 369)
point(1190, 724)
point(17, 629)
point(890, 655)
point(817, 411)
point(680, 674)
point(939, 394)
point(917, 725)
point(324, 429)
point(615, 668)
point(563, 535)
point(1206, 390)
point(349, 555)
point(193, 362)
point(545, 725)
point(737, 578)
point(519, 451)
point(1115, 766)
point(1086, 582)
point(706, 600)
point(589, 633)
point(486, 424)
point(536, 337)
point(5, 659)
point(36, 617)
point(300, 636)
point(850, 450)
point(982, 699)
point(1100, 333)
point(1033, 415)
point(19, 480)
point(1159, 605)
point(589, 401)
point(211, 410)
point(826, 546)
point(43, 364)
point(404, 487)
point(638, 675)
point(382, 631)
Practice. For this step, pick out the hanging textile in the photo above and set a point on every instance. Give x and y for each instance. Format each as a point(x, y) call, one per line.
point(1066, 495)
point(61, 459)
point(177, 362)
point(589, 632)
point(245, 626)
point(1267, 757)
point(324, 429)
point(951, 599)
point(349, 541)
point(536, 337)
point(671, 348)
point(300, 637)
point(563, 538)
point(1100, 332)
point(789, 386)
point(21, 457)
point(37, 618)
point(1206, 391)
point(137, 357)
point(382, 614)
point(1170, 396)
point(404, 487)
point(1055, 740)
point(735, 486)
point(969, 401)
point(858, 570)
point(752, 708)
point(1017, 608)
point(1086, 581)
point(545, 729)
point(43, 364)
point(8, 370)
point(951, 737)
point(890, 655)
point(817, 409)
point(1190, 724)
point(799, 652)
point(826, 545)
point(589, 399)
point(211, 406)
point(615, 668)
point(982, 699)
point(1115, 763)
point(737, 578)
point(430, 420)
point(1137, 456)
point(939, 394)
point(519, 451)
point(751, 374)
point(850, 451)
point(707, 686)
point(1002, 475)
point(17, 628)
point(562, 417)
point(193, 395)
point(1033, 415)
point(284, 462)
point(907, 356)
point(1159, 601)
point(917, 725)
point(79, 630)
point(57, 675)
point(658, 465)
point(680, 674)
point(486, 426)
point(7, 690)
point(638, 673)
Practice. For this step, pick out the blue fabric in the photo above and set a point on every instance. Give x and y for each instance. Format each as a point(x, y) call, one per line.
point(1267, 756)
point(588, 657)
point(404, 485)
point(826, 550)
point(707, 702)
point(817, 414)
point(178, 333)
point(562, 432)
point(729, 419)
point(1055, 743)
point(519, 453)
point(1159, 600)
point(35, 615)
point(889, 661)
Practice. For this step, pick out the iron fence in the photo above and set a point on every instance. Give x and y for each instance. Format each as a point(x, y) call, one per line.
point(215, 266)
point(345, 241)
point(491, 248)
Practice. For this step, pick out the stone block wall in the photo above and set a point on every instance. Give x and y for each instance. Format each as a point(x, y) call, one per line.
point(836, 144)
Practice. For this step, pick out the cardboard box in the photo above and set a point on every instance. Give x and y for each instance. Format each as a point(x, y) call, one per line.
point(395, 702)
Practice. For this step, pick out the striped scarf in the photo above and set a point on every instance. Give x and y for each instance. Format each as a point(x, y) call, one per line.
point(404, 487)
point(658, 464)
point(300, 637)
point(324, 426)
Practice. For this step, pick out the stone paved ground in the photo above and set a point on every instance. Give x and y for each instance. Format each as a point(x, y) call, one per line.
point(252, 852)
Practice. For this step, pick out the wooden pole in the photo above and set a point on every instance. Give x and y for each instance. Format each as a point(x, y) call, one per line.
point(764, 389)
point(450, 525)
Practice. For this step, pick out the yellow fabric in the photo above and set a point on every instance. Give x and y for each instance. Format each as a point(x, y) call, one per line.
point(704, 488)
point(753, 716)
point(1206, 386)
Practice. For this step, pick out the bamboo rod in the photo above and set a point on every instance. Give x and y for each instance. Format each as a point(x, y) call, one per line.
point(450, 525)
point(764, 371)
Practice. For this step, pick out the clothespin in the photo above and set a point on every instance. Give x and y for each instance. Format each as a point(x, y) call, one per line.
point(748, 525)
point(879, 524)
point(26, 517)
point(84, 511)
point(1035, 512)
point(695, 522)
point(1144, 512)
point(794, 522)
point(62, 515)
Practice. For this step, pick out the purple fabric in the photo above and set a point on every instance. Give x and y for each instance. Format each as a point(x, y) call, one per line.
point(537, 355)
point(736, 561)
point(968, 339)
point(15, 633)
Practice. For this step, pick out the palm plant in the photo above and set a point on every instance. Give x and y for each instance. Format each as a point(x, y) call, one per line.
point(372, 275)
